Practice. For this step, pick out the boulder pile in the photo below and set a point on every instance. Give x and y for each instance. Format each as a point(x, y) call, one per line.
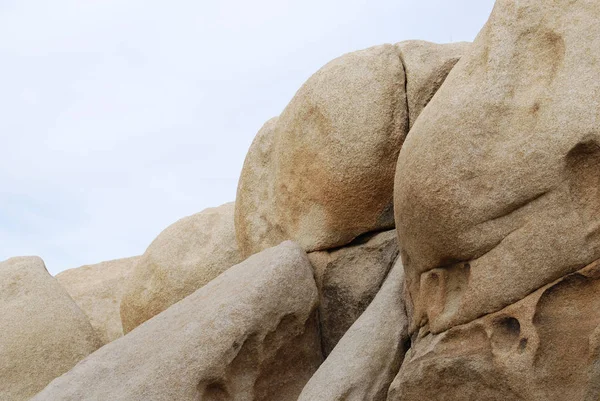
point(422, 222)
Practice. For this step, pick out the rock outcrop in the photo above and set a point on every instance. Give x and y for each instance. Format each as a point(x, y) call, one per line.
point(250, 334)
point(184, 257)
point(333, 152)
point(365, 361)
point(43, 332)
point(498, 185)
point(544, 347)
point(97, 290)
point(458, 261)
point(322, 173)
point(348, 279)
point(497, 200)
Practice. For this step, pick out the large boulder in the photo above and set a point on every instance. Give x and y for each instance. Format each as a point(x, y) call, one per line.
point(322, 173)
point(498, 184)
point(545, 347)
point(184, 257)
point(368, 357)
point(329, 157)
point(97, 290)
point(43, 333)
point(348, 279)
point(426, 66)
point(250, 334)
point(255, 225)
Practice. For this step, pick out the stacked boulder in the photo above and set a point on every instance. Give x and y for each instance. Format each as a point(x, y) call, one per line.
point(497, 199)
point(250, 334)
point(422, 222)
point(221, 307)
point(322, 173)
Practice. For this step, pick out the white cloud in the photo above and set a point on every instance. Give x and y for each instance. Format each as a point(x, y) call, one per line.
point(119, 117)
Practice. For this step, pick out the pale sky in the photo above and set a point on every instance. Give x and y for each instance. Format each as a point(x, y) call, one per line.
point(119, 117)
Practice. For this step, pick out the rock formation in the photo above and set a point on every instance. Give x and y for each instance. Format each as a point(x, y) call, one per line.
point(97, 290)
point(478, 164)
point(184, 257)
point(329, 157)
point(250, 334)
point(348, 279)
point(543, 347)
point(497, 195)
point(322, 173)
point(365, 361)
point(43, 333)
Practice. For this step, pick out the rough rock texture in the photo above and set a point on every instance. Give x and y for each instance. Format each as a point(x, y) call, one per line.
point(545, 347)
point(365, 361)
point(184, 257)
point(43, 333)
point(498, 184)
point(250, 334)
point(348, 279)
point(255, 225)
point(97, 290)
point(426, 66)
point(334, 149)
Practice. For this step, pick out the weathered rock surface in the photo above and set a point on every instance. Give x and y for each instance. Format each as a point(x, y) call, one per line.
point(43, 333)
point(97, 290)
point(365, 361)
point(348, 279)
point(545, 347)
point(334, 150)
point(498, 184)
point(426, 66)
point(184, 257)
point(250, 334)
point(255, 223)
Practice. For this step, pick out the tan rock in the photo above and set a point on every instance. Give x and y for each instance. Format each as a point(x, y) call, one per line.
point(250, 334)
point(97, 290)
point(255, 224)
point(498, 184)
point(542, 348)
point(368, 357)
point(348, 279)
point(334, 149)
point(184, 257)
point(426, 66)
point(43, 333)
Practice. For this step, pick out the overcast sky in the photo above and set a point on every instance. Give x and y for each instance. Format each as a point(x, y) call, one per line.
point(118, 117)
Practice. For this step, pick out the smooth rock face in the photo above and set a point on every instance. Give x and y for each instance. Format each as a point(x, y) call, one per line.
point(43, 333)
point(255, 224)
point(498, 184)
point(426, 66)
point(334, 150)
point(348, 279)
point(250, 334)
point(365, 361)
point(545, 347)
point(184, 257)
point(97, 290)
